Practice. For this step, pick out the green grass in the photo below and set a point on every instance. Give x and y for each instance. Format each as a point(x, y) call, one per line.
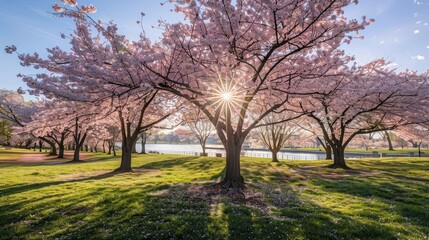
point(169, 197)
point(12, 154)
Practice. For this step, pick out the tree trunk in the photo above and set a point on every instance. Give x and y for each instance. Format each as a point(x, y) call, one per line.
point(339, 159)
point(53, 149)
point(328, 150)
point(127, 147)
point(233, 178)
point(61, 145)
point(203, 146)
point(389, 141)
point(76, 154)
point(61, 151)
point(143, 151)
point(274, 155)
point(420, 153)
point(40, 145)
point(134, 148)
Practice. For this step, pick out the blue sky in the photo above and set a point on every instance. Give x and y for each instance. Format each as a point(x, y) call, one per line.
point(400, 33)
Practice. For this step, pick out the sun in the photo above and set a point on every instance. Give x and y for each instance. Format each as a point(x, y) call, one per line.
point(225, 93)
point(226, 96)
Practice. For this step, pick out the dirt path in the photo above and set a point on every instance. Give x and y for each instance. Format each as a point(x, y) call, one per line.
point(40, 157)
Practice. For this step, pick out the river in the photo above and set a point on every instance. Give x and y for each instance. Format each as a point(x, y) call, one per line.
point(212, 150)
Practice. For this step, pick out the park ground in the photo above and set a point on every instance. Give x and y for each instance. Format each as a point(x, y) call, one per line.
point(172, 197)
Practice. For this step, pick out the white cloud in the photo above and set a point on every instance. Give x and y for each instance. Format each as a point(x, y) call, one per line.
point(417, 15)
point(418, 57)
point(383, 6)
point(381, 42)
point(416, 31)
point(427, 46)
point(418, 2)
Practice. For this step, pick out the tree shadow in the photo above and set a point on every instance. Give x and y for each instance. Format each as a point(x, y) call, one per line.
point(34, 186)
point(407, 197)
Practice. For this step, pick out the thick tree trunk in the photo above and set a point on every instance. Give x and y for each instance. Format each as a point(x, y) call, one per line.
point(233, 178)
point(53, 149)
point(61, 151)
point(76, 154)
point(127, 147)
point(40, 145)
point(274, 156)
point(339, 159)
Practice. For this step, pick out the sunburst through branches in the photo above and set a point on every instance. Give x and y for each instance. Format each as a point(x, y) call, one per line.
point(226, 94)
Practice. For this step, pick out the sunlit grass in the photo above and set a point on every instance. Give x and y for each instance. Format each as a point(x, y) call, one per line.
point(166, 197)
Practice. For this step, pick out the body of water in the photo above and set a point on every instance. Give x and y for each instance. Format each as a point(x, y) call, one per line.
point(212, 150)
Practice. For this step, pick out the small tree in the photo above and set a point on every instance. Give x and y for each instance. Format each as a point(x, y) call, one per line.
point(274, 136)
point(200, 126)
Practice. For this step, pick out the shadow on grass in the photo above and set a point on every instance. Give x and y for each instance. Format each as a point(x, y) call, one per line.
point(405, 196)
point(28, 187)
point(171, 163)
point(179, 211)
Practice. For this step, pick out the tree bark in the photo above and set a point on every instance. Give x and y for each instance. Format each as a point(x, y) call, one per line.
point(53, 151)
point(127, 147)
point(61, 151)
point(134, 148)
point(79, 147)
point(339, 159)
point(233, 178)
point(40, 145)
point(274, 156)
point(328, 151)
point(144, 139)
point(203, 145)
point(389, 141)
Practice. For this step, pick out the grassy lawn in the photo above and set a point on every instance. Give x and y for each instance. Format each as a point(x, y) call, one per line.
point(170, 197)
point(12, 154)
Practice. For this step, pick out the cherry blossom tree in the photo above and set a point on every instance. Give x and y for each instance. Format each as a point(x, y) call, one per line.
point(102, 69)
point(200, 126)
point(232, 58)
point(309, 126)
point(363, 100)
point(274, 136)
point(417, 134)
point(13, 107)
point(5, 131)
